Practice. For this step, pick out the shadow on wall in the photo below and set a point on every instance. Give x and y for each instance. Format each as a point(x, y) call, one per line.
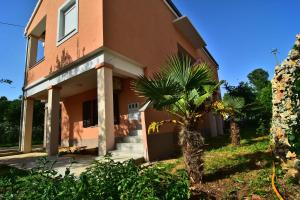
point(163, 146)
point(65, 58)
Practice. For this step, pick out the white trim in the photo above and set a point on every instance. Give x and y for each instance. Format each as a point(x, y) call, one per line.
point(59, 39)
point(121, 64)
point(44, 85)
point(170, 8)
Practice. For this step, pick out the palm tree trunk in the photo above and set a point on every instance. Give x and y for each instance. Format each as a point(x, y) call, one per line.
point(193, 148)
point(234, 133)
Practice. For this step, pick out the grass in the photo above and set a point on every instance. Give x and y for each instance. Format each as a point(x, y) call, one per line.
point(243, 171)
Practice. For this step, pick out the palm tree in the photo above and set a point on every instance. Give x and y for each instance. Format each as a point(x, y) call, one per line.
point(181, 89)
point(230, 108)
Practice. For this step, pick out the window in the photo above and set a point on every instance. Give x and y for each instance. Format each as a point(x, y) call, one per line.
point(182, 53)
point(67, 20)
point(36, 44)
point(41, 48)
point(90, 113)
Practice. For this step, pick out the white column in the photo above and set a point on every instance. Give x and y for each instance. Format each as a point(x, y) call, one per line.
point(27, 126)
point(53, 121)
point(32, 51)
point(105, 109)
point(45, 125)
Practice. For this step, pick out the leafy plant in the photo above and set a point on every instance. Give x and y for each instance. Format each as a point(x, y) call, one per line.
point(106, 179)
point(182, 89)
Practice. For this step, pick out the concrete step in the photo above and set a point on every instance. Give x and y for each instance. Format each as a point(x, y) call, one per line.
point(130, 147)
point(136, 133)
point(132, 139)
point(118, 155)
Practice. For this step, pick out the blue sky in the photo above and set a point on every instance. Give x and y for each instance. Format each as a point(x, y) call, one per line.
point(240, 35)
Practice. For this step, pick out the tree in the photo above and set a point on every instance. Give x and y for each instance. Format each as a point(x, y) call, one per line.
point(230, 108)
point(258, 78)
point(243, 90)
point(10, 113)
point(257, 94)
point(7, 81)
point(181, 88)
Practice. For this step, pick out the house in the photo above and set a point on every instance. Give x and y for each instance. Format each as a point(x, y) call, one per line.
point(81, 58)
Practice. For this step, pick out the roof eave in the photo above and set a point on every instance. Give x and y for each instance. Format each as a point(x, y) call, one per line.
point(184, 25)
point(32, 16)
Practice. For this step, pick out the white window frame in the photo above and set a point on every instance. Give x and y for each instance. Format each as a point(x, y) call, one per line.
point(60, 21)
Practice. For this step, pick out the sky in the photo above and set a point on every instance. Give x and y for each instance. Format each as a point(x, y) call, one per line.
point(240, 34)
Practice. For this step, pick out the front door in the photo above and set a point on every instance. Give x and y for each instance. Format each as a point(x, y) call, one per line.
point(116, 108)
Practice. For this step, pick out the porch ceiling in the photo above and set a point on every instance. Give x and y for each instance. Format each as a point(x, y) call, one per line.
point(81, 83)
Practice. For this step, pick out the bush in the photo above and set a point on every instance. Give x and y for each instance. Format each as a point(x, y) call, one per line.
point(104, 180)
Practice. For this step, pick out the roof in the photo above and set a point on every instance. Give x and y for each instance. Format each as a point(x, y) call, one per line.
point(174, 8)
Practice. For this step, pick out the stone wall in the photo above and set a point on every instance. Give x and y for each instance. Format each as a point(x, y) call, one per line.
point(286, 108)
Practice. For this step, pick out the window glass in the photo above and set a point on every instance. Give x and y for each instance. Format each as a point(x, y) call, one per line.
point(69, 20)
point(90, 113)
point(86, 114)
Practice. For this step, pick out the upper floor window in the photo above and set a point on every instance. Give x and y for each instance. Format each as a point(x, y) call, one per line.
point(67, 21)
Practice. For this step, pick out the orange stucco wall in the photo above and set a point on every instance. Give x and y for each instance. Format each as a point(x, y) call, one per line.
point(126, 96)
point(72, 131)
point(144, 32)
point(88, 38)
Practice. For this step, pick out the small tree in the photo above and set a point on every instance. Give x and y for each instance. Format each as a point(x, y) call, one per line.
point(181, 88)
point(230, 109)
point(7, 81)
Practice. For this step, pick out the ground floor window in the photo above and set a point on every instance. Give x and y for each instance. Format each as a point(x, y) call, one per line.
point(90, 113)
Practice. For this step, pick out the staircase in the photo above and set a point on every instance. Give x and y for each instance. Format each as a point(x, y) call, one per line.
point(129, 147)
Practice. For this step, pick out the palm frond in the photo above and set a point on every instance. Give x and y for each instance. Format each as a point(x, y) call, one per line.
point(180, 88)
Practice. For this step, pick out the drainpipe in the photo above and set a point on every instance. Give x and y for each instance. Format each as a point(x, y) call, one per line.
point(23, 90)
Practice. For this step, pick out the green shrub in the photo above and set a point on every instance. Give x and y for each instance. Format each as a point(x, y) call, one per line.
point(104, 180)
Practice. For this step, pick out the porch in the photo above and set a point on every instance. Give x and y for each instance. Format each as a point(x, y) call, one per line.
point(88, 104)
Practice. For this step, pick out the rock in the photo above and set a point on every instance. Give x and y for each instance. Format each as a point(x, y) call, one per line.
point(294, 173)
point(294, 54)
point(261, 164)
point(286, 106)
point(297, 164)
point(291, 155)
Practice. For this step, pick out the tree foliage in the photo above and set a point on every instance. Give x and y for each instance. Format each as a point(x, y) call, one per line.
point(7, 81)
point(258, 78)
point(257, 94)
point(10, 114)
